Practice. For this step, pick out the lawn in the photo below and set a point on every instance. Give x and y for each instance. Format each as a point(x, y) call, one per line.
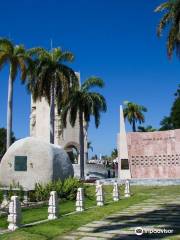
point(55, 229)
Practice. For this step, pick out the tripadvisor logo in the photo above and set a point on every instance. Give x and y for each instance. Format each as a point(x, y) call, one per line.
point(139, 231)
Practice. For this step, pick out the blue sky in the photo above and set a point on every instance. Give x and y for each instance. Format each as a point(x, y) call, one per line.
point(113, 39)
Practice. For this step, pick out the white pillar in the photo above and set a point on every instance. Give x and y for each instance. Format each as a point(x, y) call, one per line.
point(115, 192)
point(127, 189)
point(14, 217)
point(99, 194)
point(53, 209)
point(5, 201)
point(80, 200)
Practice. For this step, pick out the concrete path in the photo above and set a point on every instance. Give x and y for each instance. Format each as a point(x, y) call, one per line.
point(157, 214)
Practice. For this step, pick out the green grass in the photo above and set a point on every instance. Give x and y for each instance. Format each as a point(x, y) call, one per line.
point(55, 229)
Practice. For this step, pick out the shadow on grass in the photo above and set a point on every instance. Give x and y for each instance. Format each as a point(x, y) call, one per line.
point(165, 218)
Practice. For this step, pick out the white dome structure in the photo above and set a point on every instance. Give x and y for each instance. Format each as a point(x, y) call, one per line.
point(30, 160)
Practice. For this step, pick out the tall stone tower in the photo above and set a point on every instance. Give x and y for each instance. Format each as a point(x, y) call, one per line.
point(67, 138)
point(123, 161)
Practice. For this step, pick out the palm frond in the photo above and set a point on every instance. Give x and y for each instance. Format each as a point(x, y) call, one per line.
point(6, 46)
point(162, 7)
point(92, 82)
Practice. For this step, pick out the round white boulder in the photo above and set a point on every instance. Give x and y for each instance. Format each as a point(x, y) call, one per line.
point(30, 160)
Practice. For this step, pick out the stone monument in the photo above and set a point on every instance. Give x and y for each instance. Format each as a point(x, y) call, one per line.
point(14, 217)
point(123, 161)
point(80, 200)
point(30, 160)
point(148, 155)
point(67, 138)
point(127, 189)
point(115, 192)
point(99, 194)
point(53, 209)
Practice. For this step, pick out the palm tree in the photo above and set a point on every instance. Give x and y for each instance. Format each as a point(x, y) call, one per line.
point(15, 56)
point(170, 19)
point(149, 128)
point(50, 78)
point(134, 113)
point(82, 104)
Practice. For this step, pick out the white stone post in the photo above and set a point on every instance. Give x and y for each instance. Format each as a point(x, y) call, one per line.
point(115, 192)
point(127, 189)
point(25, 200)
point(53, 209)
point(99, 194)
point(5, 201)
point(14, 217)
point(80, 200)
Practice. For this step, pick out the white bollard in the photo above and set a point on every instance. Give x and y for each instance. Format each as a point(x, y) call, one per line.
point(99, 194)
point(14, 217)
point(5, 201)
point(115, 192)
point(53, 209)
point(80, 200)
point(127, 189)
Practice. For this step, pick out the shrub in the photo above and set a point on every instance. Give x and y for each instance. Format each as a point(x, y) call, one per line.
point(65, 189)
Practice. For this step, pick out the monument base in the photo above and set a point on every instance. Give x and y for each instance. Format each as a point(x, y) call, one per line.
point(124, 174)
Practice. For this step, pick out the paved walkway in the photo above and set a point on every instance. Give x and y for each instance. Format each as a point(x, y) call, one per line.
point(157, 213)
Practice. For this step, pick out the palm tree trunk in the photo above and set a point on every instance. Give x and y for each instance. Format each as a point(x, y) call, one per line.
point(9, 110)
point(81, 142)
point(52, 115)
point(134, 126)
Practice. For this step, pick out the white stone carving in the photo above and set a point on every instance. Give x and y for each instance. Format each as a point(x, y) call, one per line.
point(80, 200)
point(99, 194)
point(127, 189)
point(53, 209)
point(14, 217)
point(115, 192)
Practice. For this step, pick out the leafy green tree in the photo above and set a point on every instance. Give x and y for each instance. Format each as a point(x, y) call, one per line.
point(49, 77)
point(175, 110)
point(82, 104)
point(170, 20)
point(3, 135)
point(166, 124)
point(15, 56)
point(114, 154)
point(172, 121)
point(149, 128)
point(134, 113)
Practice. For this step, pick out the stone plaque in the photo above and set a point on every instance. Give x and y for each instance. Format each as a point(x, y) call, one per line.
point(20, 163)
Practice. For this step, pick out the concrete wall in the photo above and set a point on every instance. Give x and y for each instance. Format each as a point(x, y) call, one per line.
point(154, 154)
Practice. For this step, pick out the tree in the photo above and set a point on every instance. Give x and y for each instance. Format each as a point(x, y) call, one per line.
point(149, 128)
point(175, 110)
point(82, 104)
point(170, 20)
point(15, 56)
point(50, 78)
point(166, 124)
point(3, 136)
point(114, 154)
point(172, 121)
point(89, 146)
point(134, 113)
